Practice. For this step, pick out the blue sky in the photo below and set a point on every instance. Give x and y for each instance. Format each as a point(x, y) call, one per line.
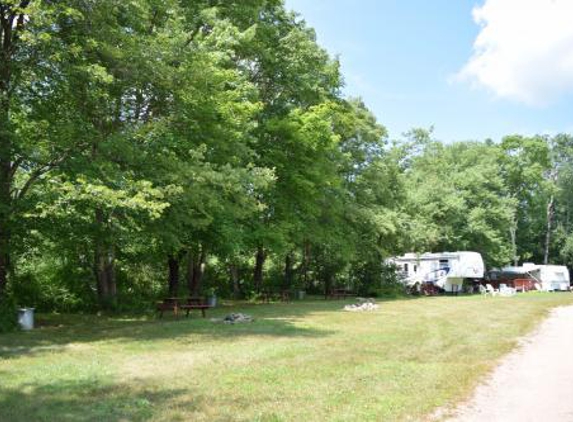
point(405, 58)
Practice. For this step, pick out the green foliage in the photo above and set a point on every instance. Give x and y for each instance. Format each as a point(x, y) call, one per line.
point(375, 278)
point(254, 296)
point(53, 287)
point(8, 314)
point(524, 168)
point(458, 200)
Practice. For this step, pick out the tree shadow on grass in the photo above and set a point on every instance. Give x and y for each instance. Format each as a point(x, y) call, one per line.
point(56, 333)
point(90, 401)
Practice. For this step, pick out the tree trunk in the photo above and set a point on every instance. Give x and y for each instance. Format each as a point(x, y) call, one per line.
point(198, 271)
point(550, 210)
point(99, 261)
point(5, 211)
point(6, 147)
point(173, 264)
point(4, 257)
point(110, 275)
point(258, 273)
point(513, 237)
point(189, 272)
point(104, 265)
point(305, 265)
point(234, 276)
point(327, 283)
point(567, 217)
point(288, 273)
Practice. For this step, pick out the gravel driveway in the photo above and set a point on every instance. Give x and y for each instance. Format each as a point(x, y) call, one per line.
point(534, 383)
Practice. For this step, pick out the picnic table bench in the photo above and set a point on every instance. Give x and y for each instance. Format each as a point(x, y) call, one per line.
point(176, 304)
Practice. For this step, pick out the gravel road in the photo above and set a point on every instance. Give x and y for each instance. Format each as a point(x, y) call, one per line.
point(533, 383)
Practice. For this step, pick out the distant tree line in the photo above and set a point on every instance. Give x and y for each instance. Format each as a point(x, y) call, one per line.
point(157, 147)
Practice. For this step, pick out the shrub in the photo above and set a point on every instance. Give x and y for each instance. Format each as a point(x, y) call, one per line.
point(390, 285)
point(391, 289)
point(254, 297)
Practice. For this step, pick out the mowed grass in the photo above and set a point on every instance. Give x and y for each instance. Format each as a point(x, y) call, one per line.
point(302, 361)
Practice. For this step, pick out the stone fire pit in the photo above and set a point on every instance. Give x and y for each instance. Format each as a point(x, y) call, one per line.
point(237, 318)
point(362, 305)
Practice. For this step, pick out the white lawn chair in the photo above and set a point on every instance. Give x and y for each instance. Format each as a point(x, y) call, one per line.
point(490, 290)
point(505, 290)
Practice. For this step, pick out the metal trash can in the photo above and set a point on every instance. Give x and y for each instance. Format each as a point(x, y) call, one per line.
point(26, 318)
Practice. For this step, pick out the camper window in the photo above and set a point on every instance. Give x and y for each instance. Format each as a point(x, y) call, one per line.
point(415, 268)
point(406, 268)
point(444, 263)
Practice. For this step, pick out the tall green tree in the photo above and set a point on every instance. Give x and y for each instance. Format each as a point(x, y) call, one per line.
point(524, 166)
point(37, 130)
point(458, 200)
point(293, 76)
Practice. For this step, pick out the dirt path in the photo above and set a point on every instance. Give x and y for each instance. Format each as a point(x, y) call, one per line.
point(534, 383)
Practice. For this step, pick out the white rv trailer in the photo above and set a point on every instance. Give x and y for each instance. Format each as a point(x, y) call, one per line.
point(446, 270)
point(551, 277)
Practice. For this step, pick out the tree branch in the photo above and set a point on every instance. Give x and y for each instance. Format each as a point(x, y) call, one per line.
point(40, 171)
point(15, 166)
point(20, 18)
point(36, 174)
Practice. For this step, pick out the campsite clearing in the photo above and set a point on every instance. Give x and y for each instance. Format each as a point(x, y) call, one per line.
point(305, 360)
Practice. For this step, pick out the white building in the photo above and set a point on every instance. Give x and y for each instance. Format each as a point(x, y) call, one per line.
point(446, 270)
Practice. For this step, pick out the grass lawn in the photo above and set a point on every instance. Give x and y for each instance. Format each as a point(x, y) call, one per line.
point(302, 361)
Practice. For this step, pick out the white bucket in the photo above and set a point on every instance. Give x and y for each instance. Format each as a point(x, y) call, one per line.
point(26, 318)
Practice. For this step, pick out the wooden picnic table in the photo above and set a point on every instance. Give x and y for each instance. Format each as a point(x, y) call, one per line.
point(176, 304)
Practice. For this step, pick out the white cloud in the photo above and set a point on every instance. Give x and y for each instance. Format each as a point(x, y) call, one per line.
point(524, 51)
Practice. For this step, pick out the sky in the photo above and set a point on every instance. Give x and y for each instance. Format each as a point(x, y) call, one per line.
point(472, 69)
